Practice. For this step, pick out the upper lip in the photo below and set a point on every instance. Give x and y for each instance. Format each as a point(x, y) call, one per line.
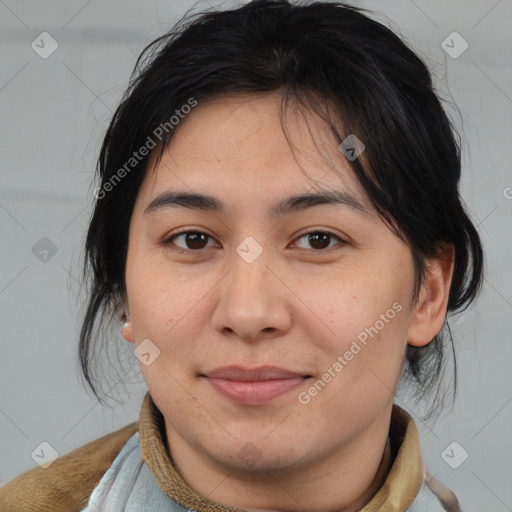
point(239, 373)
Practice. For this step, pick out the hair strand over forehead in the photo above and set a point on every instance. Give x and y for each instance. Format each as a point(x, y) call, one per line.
point(341, 64)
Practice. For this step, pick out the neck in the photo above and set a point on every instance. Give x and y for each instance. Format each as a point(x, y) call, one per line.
point(345, 481)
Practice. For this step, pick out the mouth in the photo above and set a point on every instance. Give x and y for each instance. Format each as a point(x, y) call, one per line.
point(256, 386)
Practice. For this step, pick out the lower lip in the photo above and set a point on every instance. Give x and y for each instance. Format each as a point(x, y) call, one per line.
point(254, 392)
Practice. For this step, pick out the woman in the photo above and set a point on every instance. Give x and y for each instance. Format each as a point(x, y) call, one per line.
point(279, 226)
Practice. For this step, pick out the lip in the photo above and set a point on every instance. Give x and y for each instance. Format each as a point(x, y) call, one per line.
point(253, 386)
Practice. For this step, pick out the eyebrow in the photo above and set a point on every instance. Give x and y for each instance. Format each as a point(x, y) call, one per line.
point(287, 206)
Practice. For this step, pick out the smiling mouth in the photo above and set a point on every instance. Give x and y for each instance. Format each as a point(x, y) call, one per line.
point(256, 386)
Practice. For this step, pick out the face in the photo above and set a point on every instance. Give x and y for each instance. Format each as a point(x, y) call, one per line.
point(319, 290)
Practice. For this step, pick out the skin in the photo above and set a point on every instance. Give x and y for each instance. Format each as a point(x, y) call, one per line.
point(207, 307)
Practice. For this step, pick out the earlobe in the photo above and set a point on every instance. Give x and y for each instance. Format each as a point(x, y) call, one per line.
point(430, 311)
point(127, 332)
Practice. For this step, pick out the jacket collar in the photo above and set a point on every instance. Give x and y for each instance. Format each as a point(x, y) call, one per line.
point(397, 493)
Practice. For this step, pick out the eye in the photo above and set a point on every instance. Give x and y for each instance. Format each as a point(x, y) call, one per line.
point(319, 240)
point(193, 240)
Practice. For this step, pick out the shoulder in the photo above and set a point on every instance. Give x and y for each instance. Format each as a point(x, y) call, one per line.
point(69, 481)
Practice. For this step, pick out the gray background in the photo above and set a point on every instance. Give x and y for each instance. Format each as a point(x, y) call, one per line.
point(53, 115)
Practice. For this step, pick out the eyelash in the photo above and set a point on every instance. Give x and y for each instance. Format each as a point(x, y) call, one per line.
point(169, 240)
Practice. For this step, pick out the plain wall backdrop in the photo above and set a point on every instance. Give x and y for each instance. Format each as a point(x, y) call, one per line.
point(54, 112)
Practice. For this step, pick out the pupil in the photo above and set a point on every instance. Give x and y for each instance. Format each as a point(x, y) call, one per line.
point(317, 240)
point(316, 236)
point(193, 238)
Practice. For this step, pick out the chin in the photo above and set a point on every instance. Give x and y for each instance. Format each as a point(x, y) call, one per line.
point(257, 457)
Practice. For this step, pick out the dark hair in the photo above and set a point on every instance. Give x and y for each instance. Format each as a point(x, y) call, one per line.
point(338, 63)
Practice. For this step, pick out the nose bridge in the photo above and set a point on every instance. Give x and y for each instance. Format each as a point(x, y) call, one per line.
point(251, 298)
point(249, 268)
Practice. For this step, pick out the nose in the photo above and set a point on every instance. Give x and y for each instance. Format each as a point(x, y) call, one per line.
point(253, 301)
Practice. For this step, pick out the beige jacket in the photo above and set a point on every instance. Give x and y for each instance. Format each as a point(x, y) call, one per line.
point(67, 484)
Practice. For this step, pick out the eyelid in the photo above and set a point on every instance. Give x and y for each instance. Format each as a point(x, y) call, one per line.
point(169, 238)
point(342, 241)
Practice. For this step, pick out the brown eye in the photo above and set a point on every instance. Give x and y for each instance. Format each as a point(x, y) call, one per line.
point(197, 240)
point(319, 240)
point(192, 240)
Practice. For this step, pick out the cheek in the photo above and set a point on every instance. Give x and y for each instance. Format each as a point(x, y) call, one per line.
point(168, 307)
point(353, 300)
point(152, 294)
point(364, 326)
point(361, 359)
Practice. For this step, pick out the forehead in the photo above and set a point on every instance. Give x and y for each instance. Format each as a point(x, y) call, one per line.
point(236, 146)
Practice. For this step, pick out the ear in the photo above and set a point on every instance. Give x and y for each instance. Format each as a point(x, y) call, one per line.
point(430, 311)
point(127, 330)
